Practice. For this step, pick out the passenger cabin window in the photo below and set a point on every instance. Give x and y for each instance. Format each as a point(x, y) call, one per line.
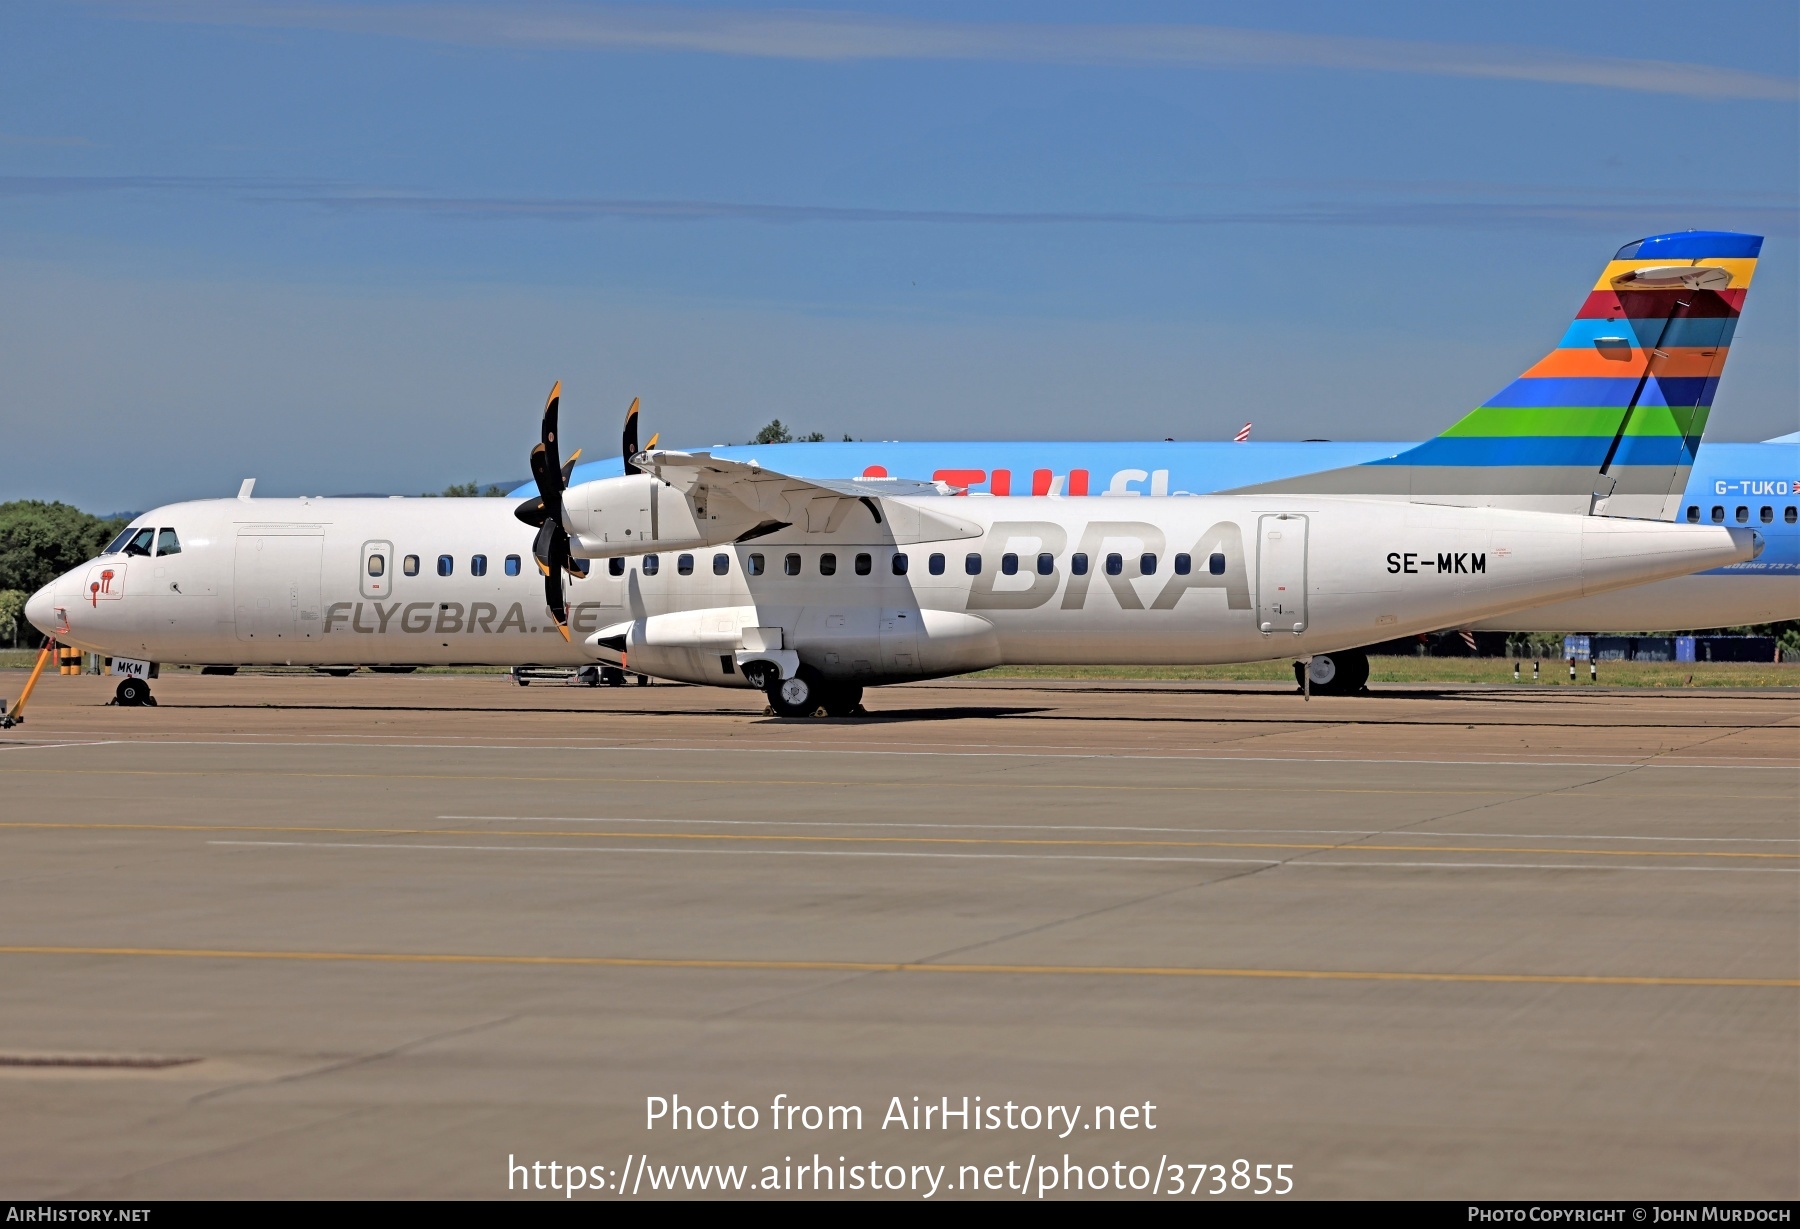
point(864, 565)
point(1693, 514)
point(168, 544)
point(512, 565)
point(1009, 564)
point(1078, 563)
point(791, 565)
point(1115, 564)
point(478, 565)
point(935, 565)
point(901, 562)
point(141, 542)
point(446, 565)
point(118, 543)
point(1146, 564)
point(1743, 515)
point(1718, 515)
point(684, 564)
point(652, 565)
point(1788, 514)
point(615, 566)
point(1768, 518)
point(1046, 563)
point(721, 565)
point(1184, 563)
point(410, 565)
point(828, 565)
point(756, 565)
point(377, 565)
point(1215, 563)
point(972, 564)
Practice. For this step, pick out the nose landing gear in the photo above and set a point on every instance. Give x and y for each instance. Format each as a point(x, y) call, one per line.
point(133, 693)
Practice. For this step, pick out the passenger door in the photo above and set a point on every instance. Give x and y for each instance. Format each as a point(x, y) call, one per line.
point(377, 571)
point(1281, 572)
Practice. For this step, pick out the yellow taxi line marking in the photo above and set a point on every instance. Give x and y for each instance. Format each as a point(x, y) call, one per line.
point(801, 838)
point(887, 966)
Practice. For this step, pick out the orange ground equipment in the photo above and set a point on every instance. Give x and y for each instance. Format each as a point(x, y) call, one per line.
point(9, 720)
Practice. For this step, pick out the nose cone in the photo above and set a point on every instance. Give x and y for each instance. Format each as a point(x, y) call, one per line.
point(40, 611)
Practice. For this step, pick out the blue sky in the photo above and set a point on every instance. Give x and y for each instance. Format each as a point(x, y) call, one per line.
point(347, 247)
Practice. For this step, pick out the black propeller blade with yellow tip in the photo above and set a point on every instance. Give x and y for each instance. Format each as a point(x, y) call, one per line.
point(551, 547)
point(629, 444)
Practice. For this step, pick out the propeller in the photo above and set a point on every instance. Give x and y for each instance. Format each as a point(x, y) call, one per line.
point(629, 444)
point(551, 547)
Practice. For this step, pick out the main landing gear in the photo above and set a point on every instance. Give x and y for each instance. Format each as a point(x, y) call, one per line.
point(806, 693)
point(1334, 674)
point(133, 693)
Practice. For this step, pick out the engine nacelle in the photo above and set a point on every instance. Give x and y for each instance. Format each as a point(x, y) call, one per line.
point(635, 513)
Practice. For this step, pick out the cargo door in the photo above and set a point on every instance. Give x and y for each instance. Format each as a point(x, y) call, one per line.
point(275, 584)
point(1281, 572)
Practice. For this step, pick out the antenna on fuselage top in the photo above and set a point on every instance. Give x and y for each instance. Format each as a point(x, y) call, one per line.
point(248, 485)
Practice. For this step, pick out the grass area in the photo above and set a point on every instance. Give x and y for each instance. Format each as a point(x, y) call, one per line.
point(1448, 670)
point(1382, 670)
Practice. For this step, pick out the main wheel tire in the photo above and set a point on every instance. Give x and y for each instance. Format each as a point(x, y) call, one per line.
point(1334, 674)
point(843, 700)
point(612, 676)
point(338, 672)
point(799, 696)
point(132, 692)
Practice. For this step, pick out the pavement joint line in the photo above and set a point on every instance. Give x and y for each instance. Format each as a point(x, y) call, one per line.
point(807, 838)
point(854, 823)
point(884, 966)
point(1657, 760)
point(826, 783)
point(1269, 863)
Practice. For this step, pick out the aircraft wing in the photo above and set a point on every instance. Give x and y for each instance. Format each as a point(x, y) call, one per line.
point(776, 500)
point(687, 469)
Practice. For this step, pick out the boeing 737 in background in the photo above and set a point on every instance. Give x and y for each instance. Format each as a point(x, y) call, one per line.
point(722, 567)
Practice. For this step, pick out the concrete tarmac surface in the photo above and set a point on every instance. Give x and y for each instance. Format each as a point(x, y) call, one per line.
point(302, 937)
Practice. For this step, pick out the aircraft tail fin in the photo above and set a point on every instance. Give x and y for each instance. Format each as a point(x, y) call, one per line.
point(1608, 421)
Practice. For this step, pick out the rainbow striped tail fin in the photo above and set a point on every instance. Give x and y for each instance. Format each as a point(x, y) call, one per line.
point(1609, 421)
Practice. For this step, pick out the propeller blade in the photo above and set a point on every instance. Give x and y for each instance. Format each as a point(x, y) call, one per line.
point(532, 511)
point(558, 562)
point(629, 445)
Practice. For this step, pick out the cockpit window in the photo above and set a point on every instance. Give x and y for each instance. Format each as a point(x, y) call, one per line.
point(167, 543)
point(118, 543)
point(141, 542)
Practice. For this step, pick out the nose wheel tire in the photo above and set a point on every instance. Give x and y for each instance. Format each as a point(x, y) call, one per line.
point(131, 693)
point(1334, 674)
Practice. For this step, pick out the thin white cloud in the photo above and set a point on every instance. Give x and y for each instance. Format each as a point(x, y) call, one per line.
point(1315, 204)
point(841, 37)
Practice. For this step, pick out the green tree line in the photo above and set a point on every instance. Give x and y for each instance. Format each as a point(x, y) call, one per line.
point(38, 542)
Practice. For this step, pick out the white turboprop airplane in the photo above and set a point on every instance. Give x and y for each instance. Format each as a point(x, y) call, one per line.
point(723, 572)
